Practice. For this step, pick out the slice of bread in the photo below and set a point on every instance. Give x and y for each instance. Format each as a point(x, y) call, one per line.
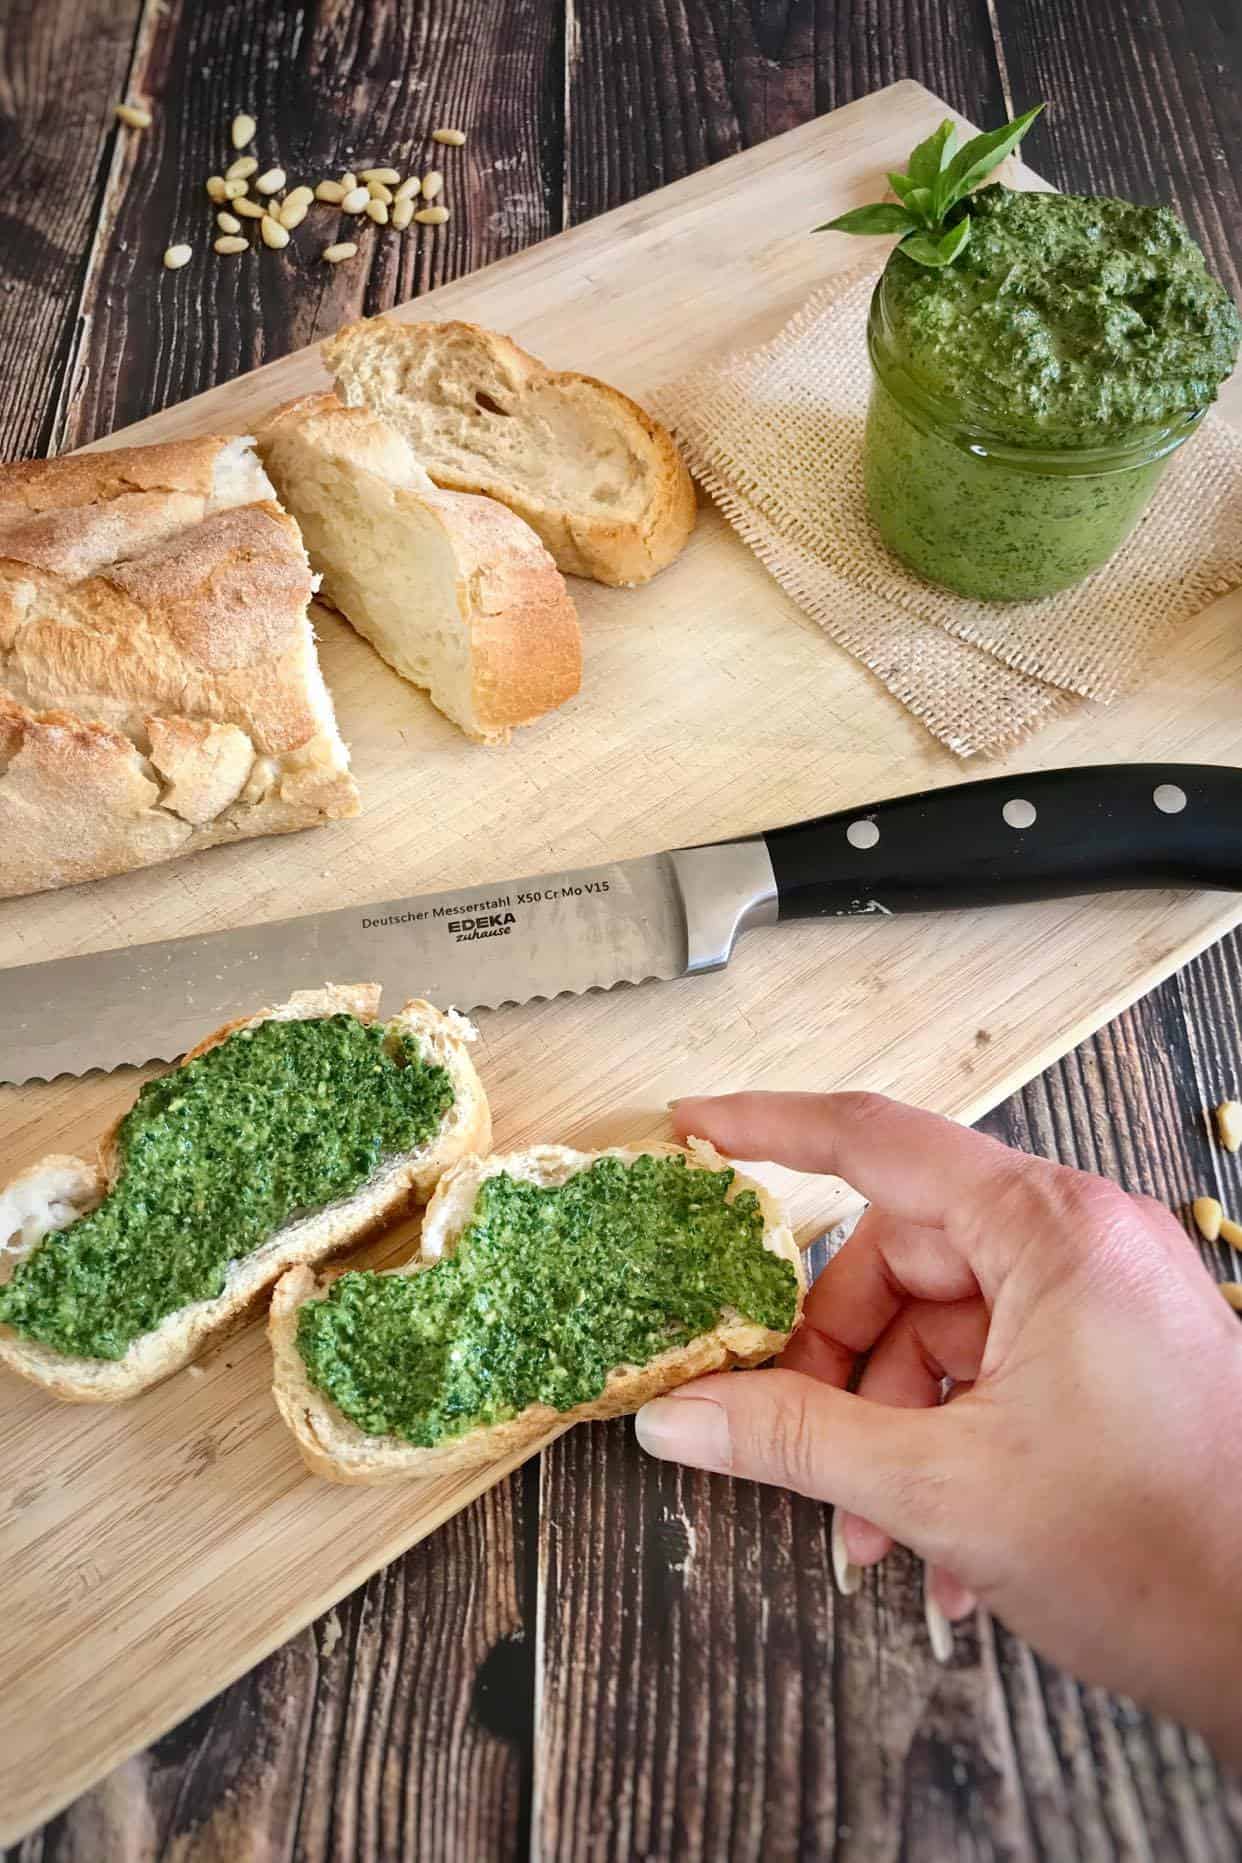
point(55, 1192)
point(599, 479)
point(456, 592)
point(334, 1447)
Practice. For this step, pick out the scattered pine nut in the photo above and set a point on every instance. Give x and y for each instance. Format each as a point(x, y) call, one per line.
point(334, 254)
point(230, 243)
point(271, 182)
point(133, 115)
point(1229, 1124)
point(408, 188)
point(1207, 1214)
point(387, 175)
point(355, 201)
point(233, 190)
point(380, 191)
point(402, 213)
point(433, 184)
point(241, 131)
point(241, 169)
point(1231, 1232)
point(377, 211)
point(228, 223)
point(301, 196)
point(453, 137)
point(1232, 1290)
point(215, 188)
point(273, 233)
point(177, 256)
point(349, 181)
point(329, 191)
point(292, 213)
point(253, 210)
point(432, 216)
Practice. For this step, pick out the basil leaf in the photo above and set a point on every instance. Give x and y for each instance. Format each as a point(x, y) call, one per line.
point(920, 204)
point(901, 185)
point(981, 155)
point(934, 155)
point(880, 217)
point(938, 252)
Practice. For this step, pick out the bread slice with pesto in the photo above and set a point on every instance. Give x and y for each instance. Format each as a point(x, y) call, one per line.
point(553, 1307)
point(282, 1139)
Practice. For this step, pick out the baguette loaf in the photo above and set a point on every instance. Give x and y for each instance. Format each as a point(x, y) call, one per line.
point(159, 686)
point(599, 479)
point(52, 1194)
point(456, 592)
point(333, 1446)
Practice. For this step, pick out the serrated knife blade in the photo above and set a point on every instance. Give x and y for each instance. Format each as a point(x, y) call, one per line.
point(511, 942)
point(1048, 834)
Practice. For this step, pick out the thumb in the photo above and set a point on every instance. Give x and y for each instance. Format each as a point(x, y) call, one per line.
point(895, 1467)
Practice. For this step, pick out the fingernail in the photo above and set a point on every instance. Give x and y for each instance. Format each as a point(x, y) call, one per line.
point(685, 1429)
point(672, 1105)
point(939, 1629)
point(847, 1575)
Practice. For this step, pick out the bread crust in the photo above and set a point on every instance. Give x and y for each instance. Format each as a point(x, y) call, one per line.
point(61, 1188)
point(524, 643)
point(385, 365)
point(335, 1448)
point(159, 687)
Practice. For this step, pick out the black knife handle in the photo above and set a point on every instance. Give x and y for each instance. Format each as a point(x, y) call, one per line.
point(1096, 829)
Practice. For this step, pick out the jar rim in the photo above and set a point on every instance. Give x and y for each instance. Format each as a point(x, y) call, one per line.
point(953, 421)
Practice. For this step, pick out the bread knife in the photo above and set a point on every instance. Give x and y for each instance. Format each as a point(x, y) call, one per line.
point(1009, 839)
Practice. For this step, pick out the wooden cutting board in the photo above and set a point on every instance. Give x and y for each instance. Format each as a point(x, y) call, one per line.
point(152, 1552)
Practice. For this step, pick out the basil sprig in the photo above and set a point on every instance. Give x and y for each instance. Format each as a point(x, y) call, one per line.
point(938, 176)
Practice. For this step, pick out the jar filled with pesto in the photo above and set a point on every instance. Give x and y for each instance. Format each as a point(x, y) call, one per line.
point(1028, 394)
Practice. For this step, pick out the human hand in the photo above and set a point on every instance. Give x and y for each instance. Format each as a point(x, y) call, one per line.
point(1086, 1482)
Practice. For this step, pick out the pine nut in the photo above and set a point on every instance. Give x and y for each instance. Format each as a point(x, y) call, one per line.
point(377, 211)
point(432, 216)
point(233, 190)
point(355, 200)
point(228, 223)
point(1207, 1214)
point(301, 196)
point(1229, 1124)
point(133, 115)
point(402, 213)
point(273, 233)
point(334, 254)
point(252, 210)
point(408, 188)
point(241, 131)
point(329, 191)
point(387, 175)
point(1232, 1290)
point(453, 137)
point(241, 169)
point(229, 243)
point(271, 182)
point(433, 184)
point(1231, 1232)
point(379, 191)
point(215, 188)
point(177, 256)
point(349, 181)
point(292, 213)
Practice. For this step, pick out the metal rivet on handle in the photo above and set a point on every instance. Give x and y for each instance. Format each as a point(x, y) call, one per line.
point(1019, 813)
point(862, 835)
point(1169, 799)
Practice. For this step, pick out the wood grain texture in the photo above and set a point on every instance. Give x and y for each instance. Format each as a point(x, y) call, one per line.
point(1001, 1757)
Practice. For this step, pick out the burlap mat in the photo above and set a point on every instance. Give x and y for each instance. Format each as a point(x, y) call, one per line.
point(775, 435)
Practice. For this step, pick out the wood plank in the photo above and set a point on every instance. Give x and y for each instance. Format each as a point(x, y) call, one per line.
point(631, 766)
point(61, 71)
point(330, 88)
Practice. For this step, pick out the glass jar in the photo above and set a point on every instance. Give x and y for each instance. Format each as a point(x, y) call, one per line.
point(982, 513)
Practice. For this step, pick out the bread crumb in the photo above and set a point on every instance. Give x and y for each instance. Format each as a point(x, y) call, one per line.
point(332, 1634)
point(196, 1371)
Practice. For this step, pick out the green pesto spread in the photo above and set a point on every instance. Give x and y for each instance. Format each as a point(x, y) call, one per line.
point(275, 1122)
point(548, 1289)
point(1067, 321)
point(1028, 395)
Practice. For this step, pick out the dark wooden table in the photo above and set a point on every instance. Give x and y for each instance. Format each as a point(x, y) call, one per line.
point(605, 1657)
